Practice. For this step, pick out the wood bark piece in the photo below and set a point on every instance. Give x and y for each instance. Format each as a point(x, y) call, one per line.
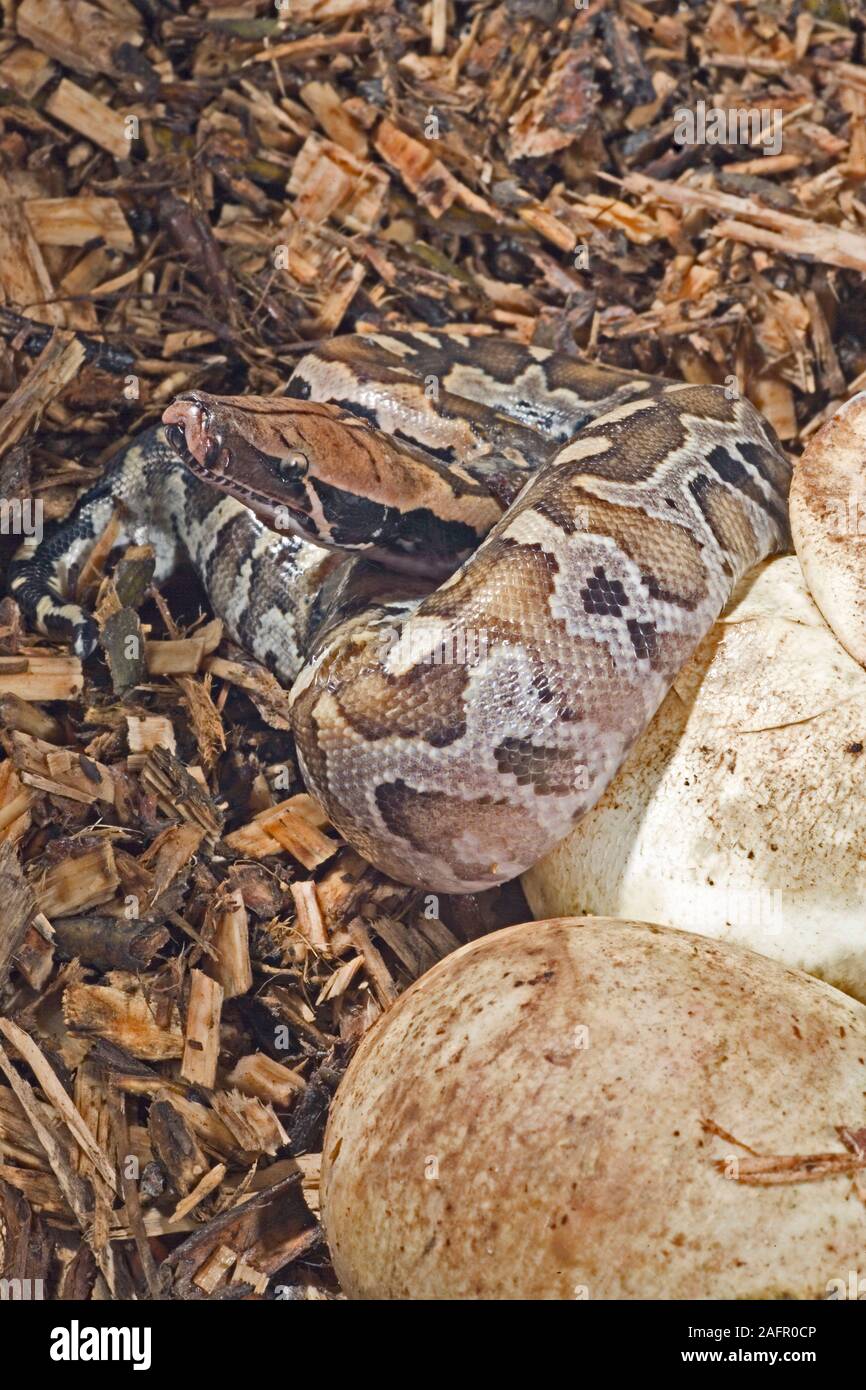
point(123, 642)
point(207, 726)
point(338, 983)
point(90, 1094)
point(312, 47)
point(77, 221)
point(424, 174)
point(266, 1079)
point(329, 180)
point(19, 908)
point(783, 232)
point(18, 1139)
point(202, 1036)
point(292, 825)
point(38, 1193)
point(130, 1192)
point(75, 32)
point(208, 1184)
point(151, 731)
point(231, 941)
point(74, 885)
point(167, 856)
point(268, 1229)
point(269, 697)
point(408, 944)
point(207, 1127)
point(45, 678)
point(26, 70)
point(90, 117)
point(244, 1273)
point(384, 985)
point(175, 1145)
point(109, 943)
point(254, 1125)
point(60, 771)
point(314, 11)
point(128, 1020)
point(53, 1090)
point(19, 714)
point(34, 958)
point(310, 920)
point(178, 793)
point(55, 367)
point(15, 802)
point(73, 1188)
point(560, 113)
point(181, 657)
point(327, 106)
point(24, 278)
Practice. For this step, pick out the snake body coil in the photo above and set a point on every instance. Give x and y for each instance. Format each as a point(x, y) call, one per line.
point(585, 527)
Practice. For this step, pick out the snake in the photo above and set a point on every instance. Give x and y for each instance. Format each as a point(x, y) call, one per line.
point(477, 566)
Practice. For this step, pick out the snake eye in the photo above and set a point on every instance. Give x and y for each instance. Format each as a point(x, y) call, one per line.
point(294, 466)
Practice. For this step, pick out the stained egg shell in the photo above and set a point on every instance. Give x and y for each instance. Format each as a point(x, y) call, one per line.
point(740, 813)
point(828, 491)
point(559, 1111)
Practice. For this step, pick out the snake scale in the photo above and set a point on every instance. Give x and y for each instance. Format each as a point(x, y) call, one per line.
point(481, 565)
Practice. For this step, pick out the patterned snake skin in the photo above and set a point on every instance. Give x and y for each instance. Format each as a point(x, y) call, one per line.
point(585, 527)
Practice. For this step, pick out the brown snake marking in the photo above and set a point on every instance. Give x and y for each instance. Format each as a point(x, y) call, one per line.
point(455, 735)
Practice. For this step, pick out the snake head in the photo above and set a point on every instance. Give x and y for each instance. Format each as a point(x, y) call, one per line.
point(314, 470)
point(256, 448)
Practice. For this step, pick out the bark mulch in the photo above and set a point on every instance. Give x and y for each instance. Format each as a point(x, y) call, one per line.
point(190, 196)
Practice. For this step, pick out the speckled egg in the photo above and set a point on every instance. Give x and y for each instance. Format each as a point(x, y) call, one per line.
point(587, 1108)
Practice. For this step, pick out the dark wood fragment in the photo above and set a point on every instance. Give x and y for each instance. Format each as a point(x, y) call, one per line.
point(109, 943)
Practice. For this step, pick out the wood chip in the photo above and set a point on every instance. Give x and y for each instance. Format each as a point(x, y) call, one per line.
point(77, 221)
point(56, 365)
point(231, 941)
point(75, 32)
point(254, 1125)
point(126, 1019)
point(53, 1090)
point(202, 1037)
point(77, 884)
point(19, 908)
point(90, 117)
point(261, 1076)
point(310, 920)
point(292, 825)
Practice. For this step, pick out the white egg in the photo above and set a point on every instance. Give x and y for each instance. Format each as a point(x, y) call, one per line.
point(578, 1109)
point(740, 814)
